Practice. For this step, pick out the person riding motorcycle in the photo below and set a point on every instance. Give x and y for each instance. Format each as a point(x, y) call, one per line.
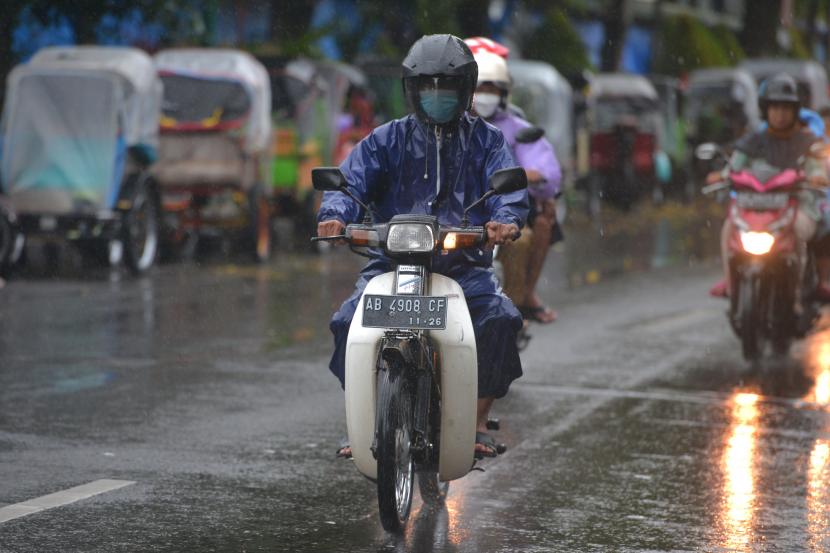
point(437, 161)
point(523, 262)
point(783, 142)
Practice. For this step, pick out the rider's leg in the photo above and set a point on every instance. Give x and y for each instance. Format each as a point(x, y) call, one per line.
point(723, 287)
point(496, 322)
point(339, 326)
point(514, 257)
point(483, 413)
point(805, 229)
point(342, 319)
point(540, 244)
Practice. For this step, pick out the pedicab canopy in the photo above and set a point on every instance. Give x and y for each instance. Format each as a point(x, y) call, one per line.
point(216, 89)
point(721, 104)
point(616, 97)
point(809, 74)
point(71, 114)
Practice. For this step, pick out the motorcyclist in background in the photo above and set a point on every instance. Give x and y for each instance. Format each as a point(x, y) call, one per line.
point(782, 144)
point(523, 260)
point(437, 161)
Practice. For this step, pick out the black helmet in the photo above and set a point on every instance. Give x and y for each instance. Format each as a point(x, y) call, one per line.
point(780, 88)
point(444, 65)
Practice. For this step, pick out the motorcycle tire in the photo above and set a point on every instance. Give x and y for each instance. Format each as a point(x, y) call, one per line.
point(433, 490)
point(749, 315)
point(396, 467)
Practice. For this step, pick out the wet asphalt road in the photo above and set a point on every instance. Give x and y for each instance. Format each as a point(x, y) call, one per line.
point(636, 427)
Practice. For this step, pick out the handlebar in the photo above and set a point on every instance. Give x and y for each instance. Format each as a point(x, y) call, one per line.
point(375, 235)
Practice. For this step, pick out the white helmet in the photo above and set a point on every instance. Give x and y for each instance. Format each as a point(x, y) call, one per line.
point(492, 68)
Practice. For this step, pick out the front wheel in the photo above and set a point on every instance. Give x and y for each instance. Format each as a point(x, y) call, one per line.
point(396, 467)
point(433, 491)
point(749, 315)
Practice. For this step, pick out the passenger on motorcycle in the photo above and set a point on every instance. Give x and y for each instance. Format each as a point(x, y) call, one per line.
point(437, 161)
point(524, 260)
point(782, 144)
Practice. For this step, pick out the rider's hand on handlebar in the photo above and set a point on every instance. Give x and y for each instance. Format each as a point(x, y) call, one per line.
point(818, 181)
point(500, 233)
point(332, 227)
point(714, 177)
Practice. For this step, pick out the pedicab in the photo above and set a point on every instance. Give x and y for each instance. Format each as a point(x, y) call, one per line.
point(547, 100)
point(214, 152)
point(808, 74)
point(79, 138)
point(721, 105)
point(308, 110)
point(624, 124)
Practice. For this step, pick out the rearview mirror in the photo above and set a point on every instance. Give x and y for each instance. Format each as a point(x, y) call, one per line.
point(529, 135)
point(327, 179)
point(708, 151)
point(505, 181)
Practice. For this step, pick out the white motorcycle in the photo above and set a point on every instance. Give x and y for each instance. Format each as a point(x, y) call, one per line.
point(411, 365)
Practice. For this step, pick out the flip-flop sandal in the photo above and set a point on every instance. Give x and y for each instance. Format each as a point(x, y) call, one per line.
point(536, 314)
point(491, 448)
point(344, 450)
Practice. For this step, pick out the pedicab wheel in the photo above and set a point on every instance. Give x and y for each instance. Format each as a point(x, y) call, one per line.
point(433, 490)
point(396, 469)
point(141, 230)
point(749, 315)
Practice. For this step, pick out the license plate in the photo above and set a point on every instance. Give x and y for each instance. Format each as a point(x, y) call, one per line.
point(417, 312)
point(751, 200)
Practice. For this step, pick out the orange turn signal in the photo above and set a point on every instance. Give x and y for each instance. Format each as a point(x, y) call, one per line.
point(361, 237)
point(460, 240)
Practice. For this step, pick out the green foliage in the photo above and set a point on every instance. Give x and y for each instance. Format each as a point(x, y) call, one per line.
point(798, 45)
point(687, 44)
point(730, 43)
point(556, 42)
point(433, 17)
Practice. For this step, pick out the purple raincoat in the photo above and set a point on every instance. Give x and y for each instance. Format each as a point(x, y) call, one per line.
point(537, 156)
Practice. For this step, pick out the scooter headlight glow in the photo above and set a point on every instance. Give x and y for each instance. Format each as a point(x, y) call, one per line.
point(410, 238)
point(757, 243)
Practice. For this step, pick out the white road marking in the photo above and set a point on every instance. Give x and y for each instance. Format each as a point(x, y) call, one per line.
point(61, 498)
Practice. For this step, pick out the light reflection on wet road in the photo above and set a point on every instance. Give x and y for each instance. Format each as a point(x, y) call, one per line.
point(738, 465)
point(636, 427)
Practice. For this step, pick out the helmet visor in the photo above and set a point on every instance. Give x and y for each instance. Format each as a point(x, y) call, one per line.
point(430, 83)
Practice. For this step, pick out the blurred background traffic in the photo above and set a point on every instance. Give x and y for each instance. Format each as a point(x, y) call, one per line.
point(193, 126)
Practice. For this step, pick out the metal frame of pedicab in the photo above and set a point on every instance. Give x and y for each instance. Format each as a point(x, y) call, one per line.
point(809, 74)
point(196, 187)
point(45, 194)
point(605, 86)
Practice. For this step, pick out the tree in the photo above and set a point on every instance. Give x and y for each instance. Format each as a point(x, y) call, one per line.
point(556, 42)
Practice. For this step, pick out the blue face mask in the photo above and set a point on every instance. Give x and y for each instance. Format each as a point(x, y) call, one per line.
point(439, 105)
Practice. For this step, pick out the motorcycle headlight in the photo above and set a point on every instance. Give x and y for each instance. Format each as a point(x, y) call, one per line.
point(757, 243)
point(410, 237)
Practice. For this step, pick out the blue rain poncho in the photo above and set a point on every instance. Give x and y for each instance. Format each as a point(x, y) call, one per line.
point(404, 167)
